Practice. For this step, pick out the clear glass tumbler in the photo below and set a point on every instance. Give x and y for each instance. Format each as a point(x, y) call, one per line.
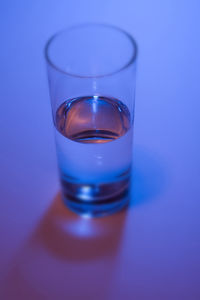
point(91, 71)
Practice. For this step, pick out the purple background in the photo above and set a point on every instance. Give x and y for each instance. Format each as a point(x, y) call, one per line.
point(151, 251)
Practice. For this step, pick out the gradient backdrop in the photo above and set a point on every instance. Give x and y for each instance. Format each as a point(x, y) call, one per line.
point(151, 251)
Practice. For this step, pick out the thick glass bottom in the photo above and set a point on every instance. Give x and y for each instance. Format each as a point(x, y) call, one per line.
point(93, 200)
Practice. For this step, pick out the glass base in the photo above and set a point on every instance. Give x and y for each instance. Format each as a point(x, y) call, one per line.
point(96, 200)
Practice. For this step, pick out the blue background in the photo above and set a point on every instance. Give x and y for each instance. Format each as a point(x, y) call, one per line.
point(150, 251)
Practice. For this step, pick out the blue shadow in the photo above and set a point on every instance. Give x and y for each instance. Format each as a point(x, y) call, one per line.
point(149, 176)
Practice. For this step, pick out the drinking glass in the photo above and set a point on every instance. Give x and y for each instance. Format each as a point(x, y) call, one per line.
point(91, 71)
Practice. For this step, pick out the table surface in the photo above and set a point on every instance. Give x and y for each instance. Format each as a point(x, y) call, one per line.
point(151, 250)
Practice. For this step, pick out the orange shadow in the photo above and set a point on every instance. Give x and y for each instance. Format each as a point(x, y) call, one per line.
point(67, 257)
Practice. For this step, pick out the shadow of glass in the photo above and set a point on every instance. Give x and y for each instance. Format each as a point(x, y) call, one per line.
point(149, 177)
point(72, 237)
point(67, 257)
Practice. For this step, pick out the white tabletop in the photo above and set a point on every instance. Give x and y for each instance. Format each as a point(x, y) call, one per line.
point(151, 250)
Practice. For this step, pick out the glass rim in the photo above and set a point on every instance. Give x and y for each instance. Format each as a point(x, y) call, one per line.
point(65, 30)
